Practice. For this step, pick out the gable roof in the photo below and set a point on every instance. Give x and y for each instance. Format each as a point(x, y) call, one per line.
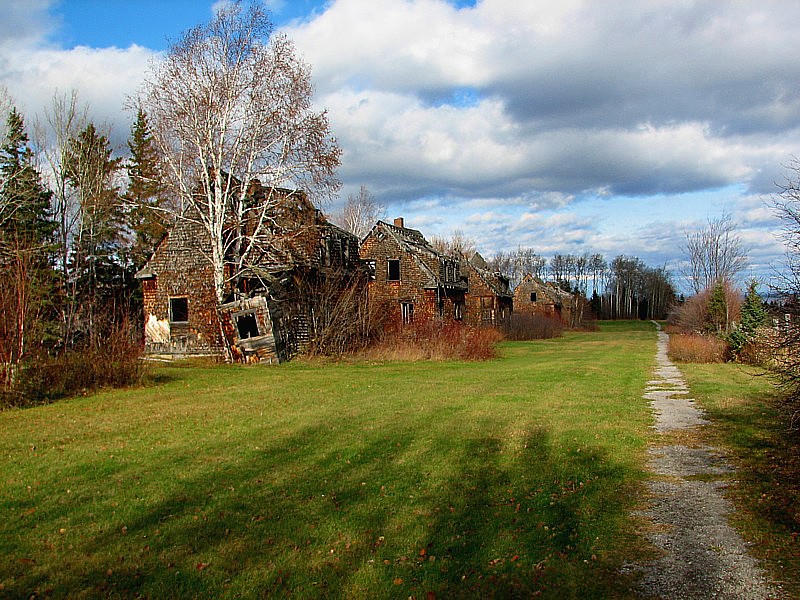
point(414, 243)
point(497, 282)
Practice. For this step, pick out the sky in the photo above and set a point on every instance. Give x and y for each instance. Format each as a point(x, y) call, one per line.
point(567, 127)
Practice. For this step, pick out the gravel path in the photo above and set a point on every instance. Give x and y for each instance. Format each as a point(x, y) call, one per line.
point(703, 556)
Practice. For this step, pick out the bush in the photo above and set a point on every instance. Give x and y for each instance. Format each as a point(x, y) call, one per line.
point(429, 339)
point(113, 362)
point(533, 327)
point(696, 348)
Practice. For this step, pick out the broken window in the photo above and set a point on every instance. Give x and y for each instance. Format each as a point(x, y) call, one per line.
point(407, 310)
point(393, 271)
point(179, 310)
point(533, 296)
point(247, 325)
point(371, 269)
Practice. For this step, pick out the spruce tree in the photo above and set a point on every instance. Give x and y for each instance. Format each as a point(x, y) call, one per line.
point(752, 317)
point(27, 281)
point(24, 201)
point(146, 192)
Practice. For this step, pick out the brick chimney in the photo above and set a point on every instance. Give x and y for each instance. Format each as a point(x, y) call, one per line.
point(398, 222)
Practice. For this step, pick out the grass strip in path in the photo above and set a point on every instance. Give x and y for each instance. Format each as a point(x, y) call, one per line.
point(506, 478)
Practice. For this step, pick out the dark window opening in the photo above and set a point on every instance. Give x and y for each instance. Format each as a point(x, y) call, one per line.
point(179, 310)
point(247, 326)
point(393, 272)
point(371, 269)
point(533, 296)
point(407, 309)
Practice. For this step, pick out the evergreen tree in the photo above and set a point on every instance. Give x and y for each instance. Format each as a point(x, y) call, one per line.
point(27, 281)
point(99, 269)
point(753, 316)
point(24, 201)
point(146, 192)
point(717, 318)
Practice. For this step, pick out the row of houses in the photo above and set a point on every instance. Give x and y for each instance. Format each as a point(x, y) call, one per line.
point(269, 313)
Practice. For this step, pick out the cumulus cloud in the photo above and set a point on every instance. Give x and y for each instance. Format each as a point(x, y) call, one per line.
point(521, 123)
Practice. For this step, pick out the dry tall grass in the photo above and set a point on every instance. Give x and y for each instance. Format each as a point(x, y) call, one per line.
point(427, 339)
point(695, 348)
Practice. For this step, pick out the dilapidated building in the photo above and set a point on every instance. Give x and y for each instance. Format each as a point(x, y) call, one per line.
point(534, 296)
point(268, 310)
point(489, 300)
point(410, 279)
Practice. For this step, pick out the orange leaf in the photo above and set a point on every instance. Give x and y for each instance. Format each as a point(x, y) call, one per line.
point(398, 581)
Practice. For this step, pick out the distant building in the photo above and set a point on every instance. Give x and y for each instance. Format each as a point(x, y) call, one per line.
point(534, 296)
point(409, 277)
point(489, 300)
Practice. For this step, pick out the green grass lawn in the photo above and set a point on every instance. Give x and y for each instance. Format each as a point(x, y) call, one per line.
point(501, 478)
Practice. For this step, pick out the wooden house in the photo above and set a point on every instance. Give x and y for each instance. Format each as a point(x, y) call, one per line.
point(534, 296)
point(489, 300)
point(266, 312)
point(410, 279)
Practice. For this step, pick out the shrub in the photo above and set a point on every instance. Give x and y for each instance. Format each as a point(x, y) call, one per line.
point(429, 339)
point(713, 310)
point(696, 348)
point(113, 361)
point(533, 327)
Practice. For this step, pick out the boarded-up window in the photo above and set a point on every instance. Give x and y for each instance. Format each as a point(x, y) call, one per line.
point(407, 310)
point(179, 310)
point(393, 270)
point(247, 326)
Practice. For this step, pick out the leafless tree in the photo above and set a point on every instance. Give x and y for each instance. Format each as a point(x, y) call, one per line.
point(458, 245)
point(714, 254)
point(63, 119)
point(231, 103)
point(360, 213)
point(785, 355)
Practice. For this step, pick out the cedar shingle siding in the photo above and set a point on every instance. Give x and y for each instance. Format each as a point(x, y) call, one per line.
point(410, 277)
point(266, 317)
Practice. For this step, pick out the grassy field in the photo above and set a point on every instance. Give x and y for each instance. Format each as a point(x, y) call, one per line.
point(747, 421)
point(503, 478)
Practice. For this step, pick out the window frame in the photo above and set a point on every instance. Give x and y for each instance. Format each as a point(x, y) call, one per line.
point(389, 263)
point(172, 311)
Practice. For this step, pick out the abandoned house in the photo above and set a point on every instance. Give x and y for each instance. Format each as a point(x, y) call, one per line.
point(269, 309)
point(489, 300)
point(534, 296)
point(409, 277)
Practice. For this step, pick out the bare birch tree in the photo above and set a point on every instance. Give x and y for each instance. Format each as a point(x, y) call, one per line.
point(360, 213)
point(231, 103)
point(714, 254)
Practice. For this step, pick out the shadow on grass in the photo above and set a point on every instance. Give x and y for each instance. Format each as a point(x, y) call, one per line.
point(384, 515)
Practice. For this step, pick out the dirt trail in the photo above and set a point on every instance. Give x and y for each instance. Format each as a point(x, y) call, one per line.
point(703, 556)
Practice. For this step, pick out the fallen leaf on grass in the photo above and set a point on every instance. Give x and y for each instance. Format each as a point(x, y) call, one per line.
point(200, 566)
point(398, 581)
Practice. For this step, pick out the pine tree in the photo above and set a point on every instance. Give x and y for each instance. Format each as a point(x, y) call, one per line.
point(146, 192)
